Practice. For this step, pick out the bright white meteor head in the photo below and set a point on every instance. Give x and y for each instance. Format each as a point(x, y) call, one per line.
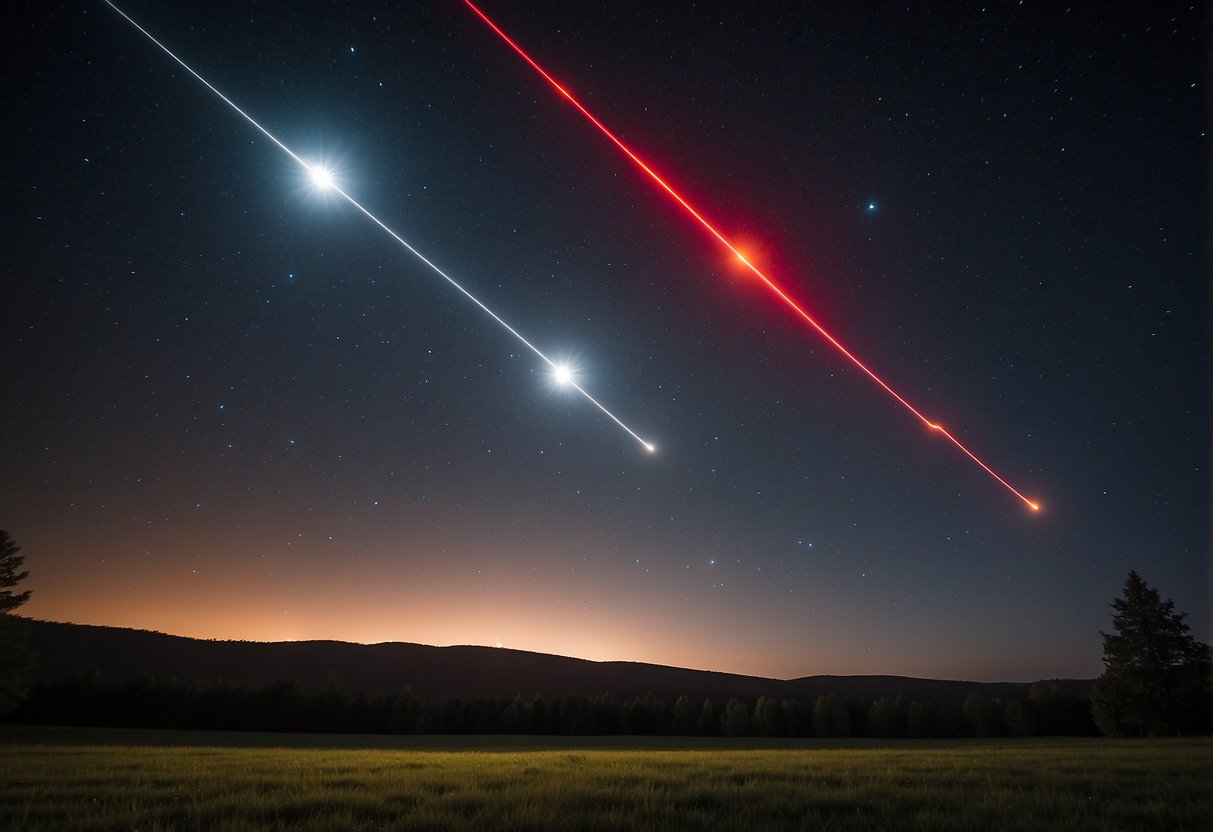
point(563, 374)
point(322, 177)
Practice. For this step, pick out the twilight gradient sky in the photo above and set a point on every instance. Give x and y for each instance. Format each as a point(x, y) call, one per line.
point(235, 409)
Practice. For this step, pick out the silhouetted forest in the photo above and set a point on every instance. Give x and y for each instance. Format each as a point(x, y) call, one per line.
point(148, 701)
point(103, 676)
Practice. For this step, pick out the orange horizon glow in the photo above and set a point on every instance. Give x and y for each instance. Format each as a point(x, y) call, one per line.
point(574, 619)
point(510, 618)
point(737, 661)
point(740, 257)
point(544, 589)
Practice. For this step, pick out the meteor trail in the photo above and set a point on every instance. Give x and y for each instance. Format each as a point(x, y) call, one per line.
point(770, 284)
point(322, 177)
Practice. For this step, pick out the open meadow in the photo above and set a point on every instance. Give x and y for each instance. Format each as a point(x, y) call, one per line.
point(70, 779)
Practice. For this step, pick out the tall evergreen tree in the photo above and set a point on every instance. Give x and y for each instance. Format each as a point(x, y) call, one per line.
point(10, 576)
point(1156, 679)
point(17, 659)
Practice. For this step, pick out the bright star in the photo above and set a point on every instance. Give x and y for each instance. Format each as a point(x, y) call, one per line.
point(563, 374)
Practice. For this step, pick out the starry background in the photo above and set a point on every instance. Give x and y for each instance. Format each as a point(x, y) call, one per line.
point(235, 409)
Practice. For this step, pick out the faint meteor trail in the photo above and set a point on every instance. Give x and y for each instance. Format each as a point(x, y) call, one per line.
point(770, 284)
point(323, 179)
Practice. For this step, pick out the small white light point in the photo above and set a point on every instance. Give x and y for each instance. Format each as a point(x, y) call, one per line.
point(650, 448)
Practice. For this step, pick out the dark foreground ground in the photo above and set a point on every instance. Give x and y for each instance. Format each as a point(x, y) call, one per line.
point(81, 779)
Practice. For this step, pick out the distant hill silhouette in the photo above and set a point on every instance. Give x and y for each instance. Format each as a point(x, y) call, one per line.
point(118, 653)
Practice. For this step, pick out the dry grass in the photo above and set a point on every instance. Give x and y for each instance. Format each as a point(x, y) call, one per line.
point(148, 781)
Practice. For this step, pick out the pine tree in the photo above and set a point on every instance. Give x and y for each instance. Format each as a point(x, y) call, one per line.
point(17, 660)
point(10, 562)
point(1157, 676)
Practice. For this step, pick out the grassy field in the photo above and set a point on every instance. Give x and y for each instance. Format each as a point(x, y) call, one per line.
point(147, 780)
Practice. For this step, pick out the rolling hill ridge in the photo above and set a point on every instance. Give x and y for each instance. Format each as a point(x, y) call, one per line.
point(462, 671)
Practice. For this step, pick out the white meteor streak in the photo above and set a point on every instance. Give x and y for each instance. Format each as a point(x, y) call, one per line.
point(323, 179)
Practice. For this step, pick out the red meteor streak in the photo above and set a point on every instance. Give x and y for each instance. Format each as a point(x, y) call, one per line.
point(770, 284)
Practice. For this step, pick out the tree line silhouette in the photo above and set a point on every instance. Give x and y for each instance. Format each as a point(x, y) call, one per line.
point(1157, 681)
point(157, 702)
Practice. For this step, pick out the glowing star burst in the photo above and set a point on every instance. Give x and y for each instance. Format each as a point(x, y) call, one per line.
point(563, 374)
point(322, 177)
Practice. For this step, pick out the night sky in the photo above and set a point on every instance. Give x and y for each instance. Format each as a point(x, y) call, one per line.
point(236, 408)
